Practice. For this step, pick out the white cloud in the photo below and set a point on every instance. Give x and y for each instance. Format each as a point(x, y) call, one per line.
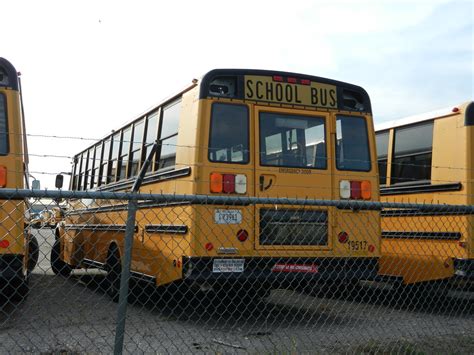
point(90, 66)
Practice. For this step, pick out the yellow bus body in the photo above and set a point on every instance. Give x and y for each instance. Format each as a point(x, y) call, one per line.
point(196, 238)
point(433, 247)
point(13, 245)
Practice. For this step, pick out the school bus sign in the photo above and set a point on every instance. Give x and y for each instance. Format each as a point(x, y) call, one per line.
point(306, 93)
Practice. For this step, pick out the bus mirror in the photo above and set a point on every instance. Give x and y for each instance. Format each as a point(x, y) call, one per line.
point(35, 184)
point(59, 181)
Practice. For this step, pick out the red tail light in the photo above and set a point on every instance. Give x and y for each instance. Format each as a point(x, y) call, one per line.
point(242, 235)
point(229, 183)
point(209, 246)
point(343, 237)
point(355, 190)
point(3, 176)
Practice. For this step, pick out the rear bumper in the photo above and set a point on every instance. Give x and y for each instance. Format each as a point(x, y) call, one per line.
point(464, 269)
point(283, 271)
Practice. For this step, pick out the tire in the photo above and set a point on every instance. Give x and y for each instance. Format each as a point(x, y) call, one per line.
point(114, 272)
point(33, 253)
point(59, 267)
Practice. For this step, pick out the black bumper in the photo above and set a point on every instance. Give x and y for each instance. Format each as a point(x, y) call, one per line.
point(283, 271)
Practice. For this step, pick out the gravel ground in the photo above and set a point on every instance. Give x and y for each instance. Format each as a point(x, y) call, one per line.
point(74, 316)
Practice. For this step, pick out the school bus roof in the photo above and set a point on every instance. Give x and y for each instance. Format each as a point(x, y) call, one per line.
point(440, 113)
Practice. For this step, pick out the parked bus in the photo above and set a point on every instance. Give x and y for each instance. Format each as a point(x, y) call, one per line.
point(428, 158)
point(18, 248)
point(248, 133)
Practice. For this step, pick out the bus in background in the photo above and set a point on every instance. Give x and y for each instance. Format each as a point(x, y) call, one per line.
point(18, 248)
point(427, 158)
point(238, 133)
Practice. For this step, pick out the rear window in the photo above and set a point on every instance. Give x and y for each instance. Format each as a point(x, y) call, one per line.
point(3, 126)
point(292, 141)
point(352, 144)
point(229, 139)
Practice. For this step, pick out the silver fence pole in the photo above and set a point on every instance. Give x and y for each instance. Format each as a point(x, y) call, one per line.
point(125, 277)
point(127, 260)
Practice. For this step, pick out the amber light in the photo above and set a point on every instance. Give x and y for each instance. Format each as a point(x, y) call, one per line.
point(366, 190)
point(217, 182)
point(3, 176)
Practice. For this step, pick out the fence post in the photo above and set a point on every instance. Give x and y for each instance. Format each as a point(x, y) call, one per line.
point(125, 276)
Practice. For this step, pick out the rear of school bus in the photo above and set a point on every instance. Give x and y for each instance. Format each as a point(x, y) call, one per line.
point(281, 135)
point(428, 247)
point(12, 240)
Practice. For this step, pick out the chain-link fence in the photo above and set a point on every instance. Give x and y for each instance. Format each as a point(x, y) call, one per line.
point(214, 274)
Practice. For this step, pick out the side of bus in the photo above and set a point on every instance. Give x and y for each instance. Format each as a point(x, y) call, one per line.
point(14, 239)
point(427, 159)
point(211, 143)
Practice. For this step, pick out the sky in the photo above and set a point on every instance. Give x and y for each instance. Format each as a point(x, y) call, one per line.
point(89, 67)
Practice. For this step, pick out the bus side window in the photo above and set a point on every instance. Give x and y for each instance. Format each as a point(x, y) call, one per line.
point(169, 135)
point(412, 153)
point(381, 142)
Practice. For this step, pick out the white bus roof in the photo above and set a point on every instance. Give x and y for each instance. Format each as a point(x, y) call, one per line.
point(417, 118)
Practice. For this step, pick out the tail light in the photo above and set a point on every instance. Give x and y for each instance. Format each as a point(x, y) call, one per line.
point(3, 176)
point(242, 235)
point(228, 183)
point(343, 237)
point(4, 244)
point(355, 190)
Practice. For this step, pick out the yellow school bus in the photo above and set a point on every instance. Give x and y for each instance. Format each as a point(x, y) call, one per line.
point(236, 133)
point(15, 241)
point(427, 158)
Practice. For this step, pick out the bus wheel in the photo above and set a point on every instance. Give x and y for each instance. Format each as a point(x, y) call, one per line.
point(59, 267)
point(114, 271)
point(33, 252)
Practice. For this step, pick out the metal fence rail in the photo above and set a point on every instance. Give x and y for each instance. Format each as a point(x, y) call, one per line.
point(130, 272)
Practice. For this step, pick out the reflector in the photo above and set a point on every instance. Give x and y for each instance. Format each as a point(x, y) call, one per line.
point(3, 176)
point(216, 182)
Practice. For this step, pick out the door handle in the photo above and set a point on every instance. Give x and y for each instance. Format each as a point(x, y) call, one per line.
point(264, 187)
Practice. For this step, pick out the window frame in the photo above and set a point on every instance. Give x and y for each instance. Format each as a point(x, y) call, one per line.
point(159, 139)
point(249, 155)
point(411, 154)
point(293, 115)
point(139, 150)
point(6, 133)
point(383, 158)
point(364, 119)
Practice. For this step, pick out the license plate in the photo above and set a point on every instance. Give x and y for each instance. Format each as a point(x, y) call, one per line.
point(227, 216)
point(228, 265)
